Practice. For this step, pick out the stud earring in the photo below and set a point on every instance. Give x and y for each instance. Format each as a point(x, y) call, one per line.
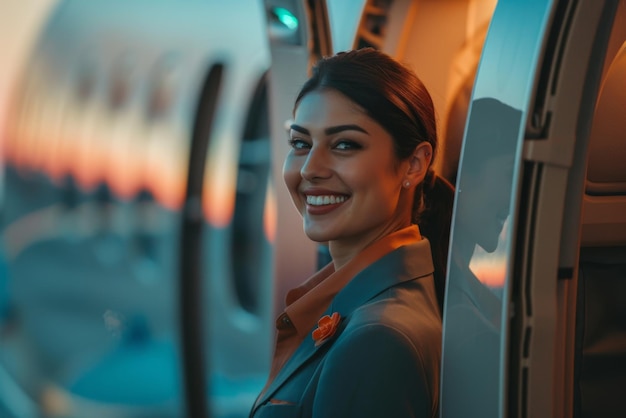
point(407, 184)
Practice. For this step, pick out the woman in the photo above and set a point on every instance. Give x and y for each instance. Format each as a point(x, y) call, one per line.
point(362, 337)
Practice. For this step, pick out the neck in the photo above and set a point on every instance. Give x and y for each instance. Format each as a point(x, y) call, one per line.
point(344, 250)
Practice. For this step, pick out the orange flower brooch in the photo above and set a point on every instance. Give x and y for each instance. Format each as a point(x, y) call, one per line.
point(326, 328)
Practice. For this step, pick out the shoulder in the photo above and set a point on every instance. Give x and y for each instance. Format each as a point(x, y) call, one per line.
point(394, 327)
point(377, 368)
point(406, 311)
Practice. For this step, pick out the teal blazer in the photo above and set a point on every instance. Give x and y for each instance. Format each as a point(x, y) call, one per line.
point(383, 361)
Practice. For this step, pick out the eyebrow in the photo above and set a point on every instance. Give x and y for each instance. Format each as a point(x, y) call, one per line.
point(331, 130)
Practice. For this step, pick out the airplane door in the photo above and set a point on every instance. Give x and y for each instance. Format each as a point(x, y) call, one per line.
point(477, 304)
point(508, 347)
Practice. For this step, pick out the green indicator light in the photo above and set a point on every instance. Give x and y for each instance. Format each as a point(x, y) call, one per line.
point(286, 18)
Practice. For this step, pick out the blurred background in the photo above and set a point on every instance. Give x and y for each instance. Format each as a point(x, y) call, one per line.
point(20, 22)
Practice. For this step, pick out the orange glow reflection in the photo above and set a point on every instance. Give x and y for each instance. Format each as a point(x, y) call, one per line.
point(270, 214)
point(491, 273)
point(164, 147)
point(220, 177)
point(218, 197)
point(490, 268)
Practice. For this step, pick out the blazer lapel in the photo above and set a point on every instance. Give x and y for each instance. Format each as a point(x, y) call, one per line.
point(403, 264)
point(303, 353)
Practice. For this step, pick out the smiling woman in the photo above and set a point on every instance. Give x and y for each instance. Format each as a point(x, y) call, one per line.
point(362, 337)
point(353, 164)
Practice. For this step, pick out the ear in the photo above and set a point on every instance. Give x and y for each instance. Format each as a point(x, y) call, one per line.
point(419, 163)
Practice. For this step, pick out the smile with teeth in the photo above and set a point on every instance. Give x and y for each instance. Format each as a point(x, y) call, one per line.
point(324, 200)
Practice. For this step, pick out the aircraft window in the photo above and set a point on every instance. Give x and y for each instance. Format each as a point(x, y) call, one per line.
point(250, 245)
point(227, 258)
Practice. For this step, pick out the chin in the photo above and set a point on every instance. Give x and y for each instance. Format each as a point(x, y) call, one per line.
point(317, 238)
point(316, 235)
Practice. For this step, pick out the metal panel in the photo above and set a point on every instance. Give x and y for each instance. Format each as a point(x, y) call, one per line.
point(477, 305)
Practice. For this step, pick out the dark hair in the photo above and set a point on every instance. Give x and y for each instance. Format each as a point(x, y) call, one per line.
point(392, 95)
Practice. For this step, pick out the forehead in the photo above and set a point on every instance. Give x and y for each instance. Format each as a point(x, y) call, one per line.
point(328, 107)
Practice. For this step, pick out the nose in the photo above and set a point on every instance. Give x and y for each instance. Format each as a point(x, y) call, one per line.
point(316, 164)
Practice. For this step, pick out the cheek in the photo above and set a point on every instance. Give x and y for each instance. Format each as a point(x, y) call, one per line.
point(378, 176)
point(291, 175)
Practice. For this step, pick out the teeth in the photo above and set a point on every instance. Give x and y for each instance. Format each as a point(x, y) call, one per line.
point(324, 200)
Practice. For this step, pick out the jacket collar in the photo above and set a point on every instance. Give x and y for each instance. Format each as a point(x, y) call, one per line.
point(403, 264)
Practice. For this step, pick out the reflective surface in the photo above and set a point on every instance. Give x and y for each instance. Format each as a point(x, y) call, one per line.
point(476, 311)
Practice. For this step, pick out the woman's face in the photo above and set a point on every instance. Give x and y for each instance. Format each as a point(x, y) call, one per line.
point(342, 173)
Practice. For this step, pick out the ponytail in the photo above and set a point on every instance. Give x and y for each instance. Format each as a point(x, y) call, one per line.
point(433, 214)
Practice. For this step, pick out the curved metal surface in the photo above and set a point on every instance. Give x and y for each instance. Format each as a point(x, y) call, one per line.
point(481, 250)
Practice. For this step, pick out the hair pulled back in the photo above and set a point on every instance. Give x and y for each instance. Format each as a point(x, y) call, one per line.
point(390, 93)
point(393, 96)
